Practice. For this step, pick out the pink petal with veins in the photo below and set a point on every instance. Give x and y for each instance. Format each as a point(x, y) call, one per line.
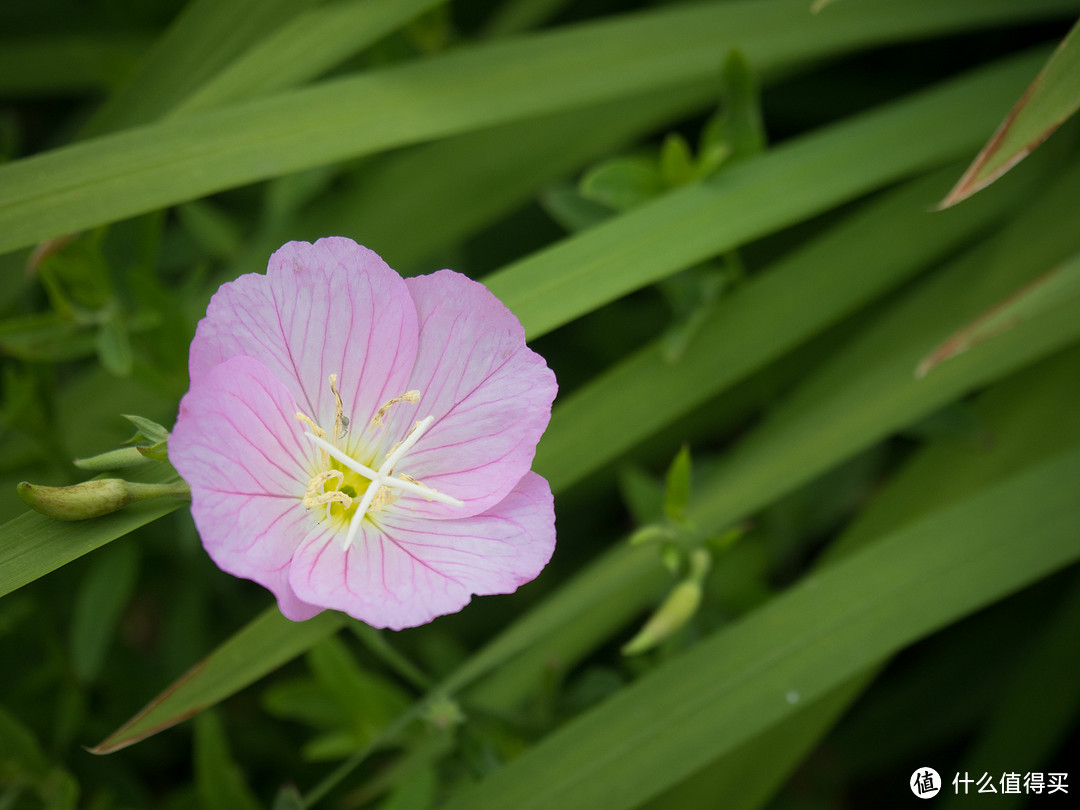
point(242, 451)
point(333, 307)
point(489, 393)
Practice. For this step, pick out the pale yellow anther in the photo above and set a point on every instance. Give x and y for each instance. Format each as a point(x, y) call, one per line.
point(383, 497)
point(318, 431)
point(307, 420)
point(339, 410)
point(315, 496)
point(334, 496)
point(408, 396)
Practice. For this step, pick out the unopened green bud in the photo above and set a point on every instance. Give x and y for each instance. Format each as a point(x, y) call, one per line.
point(675, 611)
point(700, 564)
point(113, 460)
point(444, 712)
point(93, 499)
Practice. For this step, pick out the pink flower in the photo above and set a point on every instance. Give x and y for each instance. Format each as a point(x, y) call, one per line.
point(362, 442)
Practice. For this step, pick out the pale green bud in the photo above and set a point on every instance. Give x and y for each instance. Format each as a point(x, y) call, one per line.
point(113, 460)
point(92, 499)
point(675, 611)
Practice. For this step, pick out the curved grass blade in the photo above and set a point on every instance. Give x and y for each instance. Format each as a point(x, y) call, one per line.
point(1031, 418)
point(262, 646)
point(470, 180)
point(806, 642)
point(203, 38)
point(769, 315)
point(788, 184)
point(1051, 99)
point(303, 49)
point(1049, 290)
point(135, 171)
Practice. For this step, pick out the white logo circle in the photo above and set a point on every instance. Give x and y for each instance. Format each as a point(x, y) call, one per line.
point(925, 783)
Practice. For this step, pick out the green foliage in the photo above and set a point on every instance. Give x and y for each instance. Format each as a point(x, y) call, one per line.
point(878, 397)
point(1047, 103)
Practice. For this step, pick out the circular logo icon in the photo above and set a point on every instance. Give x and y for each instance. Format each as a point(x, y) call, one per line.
point(925, 783)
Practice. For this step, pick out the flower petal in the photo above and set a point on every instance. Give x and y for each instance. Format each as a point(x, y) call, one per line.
point(489, 393)
point(333, 307)
point(241, 449)
point(406, 570)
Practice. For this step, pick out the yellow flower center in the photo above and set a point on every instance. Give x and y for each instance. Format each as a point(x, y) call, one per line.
point(350, 488)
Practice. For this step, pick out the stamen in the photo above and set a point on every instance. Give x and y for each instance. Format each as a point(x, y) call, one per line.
point(319, 481)
point(382, 488)
point(307, 420)
point(314, 497)
point(384, 497)
point(408, 396)
point(341, 423)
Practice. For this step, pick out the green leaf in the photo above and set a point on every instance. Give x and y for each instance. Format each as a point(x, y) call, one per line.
point(737, 132)
point(114, 348)
point(801, 645)
point(303, 48)
point(772, 313)
point(46, 336)
point(367, 701)
point(218, 778)
point(417, 792)
point(146, 430)
point(1031, 419)
point(206, 36)
point(869, 391)
point(677, 486)
point(573, 212)
point(471, 180)
point(1051, 99)
point(99, 603)
point(131, 172)
point(790, 183)
point(513, 16)
point(865, 393)
point(1062, 284)
point(288, 798)
point(25, 765)
point(676, 161)
point(263, 645)
point(622, 183)
point(305, 701)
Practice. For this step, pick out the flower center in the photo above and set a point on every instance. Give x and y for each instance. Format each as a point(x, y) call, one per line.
point(351, 489)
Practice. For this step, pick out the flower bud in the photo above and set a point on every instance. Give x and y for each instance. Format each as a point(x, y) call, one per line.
point(92, 499)
point(112, 460)
point(677, 609)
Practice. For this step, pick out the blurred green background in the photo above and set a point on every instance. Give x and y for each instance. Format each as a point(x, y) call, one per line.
point(816, 439)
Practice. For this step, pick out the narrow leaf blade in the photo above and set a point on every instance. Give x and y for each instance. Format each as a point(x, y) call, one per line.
point(1052, 98)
